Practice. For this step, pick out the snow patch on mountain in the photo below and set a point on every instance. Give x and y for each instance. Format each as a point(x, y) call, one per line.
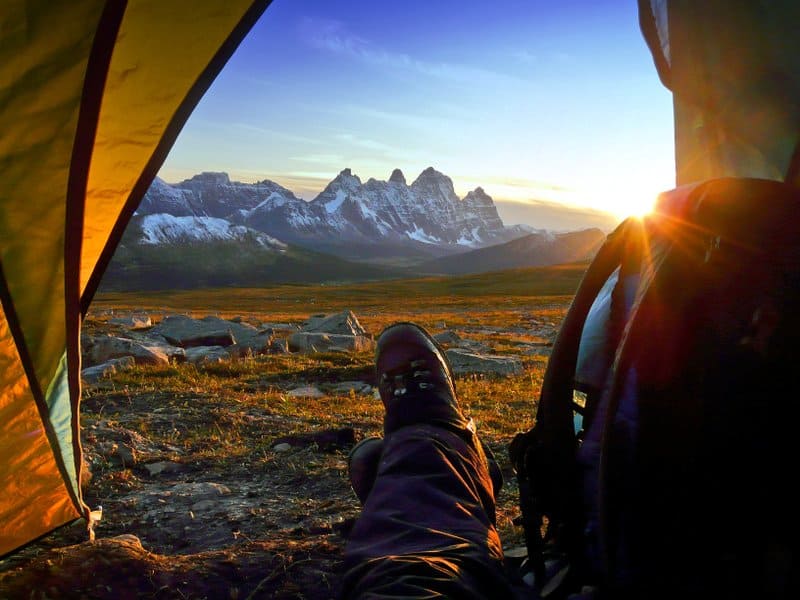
point(163, 228)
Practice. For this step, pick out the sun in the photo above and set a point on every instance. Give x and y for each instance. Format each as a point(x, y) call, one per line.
point(625, 201)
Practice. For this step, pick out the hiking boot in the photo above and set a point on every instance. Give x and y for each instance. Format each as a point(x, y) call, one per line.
point(415, 380)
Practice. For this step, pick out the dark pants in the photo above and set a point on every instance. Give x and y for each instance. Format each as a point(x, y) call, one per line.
point(427, 528)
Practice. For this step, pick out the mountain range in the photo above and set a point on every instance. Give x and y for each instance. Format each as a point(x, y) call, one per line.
point(425, 214)
point(209, 230)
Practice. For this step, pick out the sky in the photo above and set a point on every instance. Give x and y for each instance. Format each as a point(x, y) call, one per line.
point(534, 101)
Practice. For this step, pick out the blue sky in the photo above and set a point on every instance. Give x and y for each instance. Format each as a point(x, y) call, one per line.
point(538, 100)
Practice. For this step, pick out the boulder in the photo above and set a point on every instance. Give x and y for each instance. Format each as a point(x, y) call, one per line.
point(186, 332)
point(306, 391)
point(104, 348)
point(106, 369)
point(342, 323)
point(207, 354)
point(465, 362)
point(447, 337)
point(324, 342)
point(133, 322)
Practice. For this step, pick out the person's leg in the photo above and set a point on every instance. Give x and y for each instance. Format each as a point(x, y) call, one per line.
point(427, 527)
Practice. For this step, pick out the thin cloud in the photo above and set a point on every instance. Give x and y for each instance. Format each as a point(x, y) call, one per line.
point(333, 36)
point(323, 159)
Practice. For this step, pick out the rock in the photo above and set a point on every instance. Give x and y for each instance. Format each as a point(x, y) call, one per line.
point(133, 322)
point(308, 391)
point(282, 447)
point(278, 347)
point(200, 490)
point(186, 332)
point(106, 369)
point(157, 468)
point(326, 440)
point(447, 337)
point(474, 347)
point(116, 453)
point(257, 344)
point(207, 354)
point(397, 177)
point(345, 387)
point(324, 342)
point(107, 347)
point(342, 323)
point(464, 362)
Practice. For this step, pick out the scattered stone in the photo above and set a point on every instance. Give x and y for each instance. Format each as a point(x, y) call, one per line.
point(165, 467)
point(106, 369)
point(307, 391)
point(282, 447)
point(465, 362)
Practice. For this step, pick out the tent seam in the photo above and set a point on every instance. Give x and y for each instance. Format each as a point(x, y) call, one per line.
point(88, 117)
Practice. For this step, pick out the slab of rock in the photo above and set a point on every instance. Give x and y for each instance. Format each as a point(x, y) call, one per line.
point(343, 323)
point(104, 348)
point(162, 467)
point(345, 387)
point(132, 322)
point(278, 347)
point(207, 354)
point(447, 337)
point(106, 369)
point(466, 362)
point(307, 391)
point(186, 332)
point(327, 342)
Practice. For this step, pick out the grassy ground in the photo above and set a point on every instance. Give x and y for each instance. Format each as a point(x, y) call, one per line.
point(279, 529)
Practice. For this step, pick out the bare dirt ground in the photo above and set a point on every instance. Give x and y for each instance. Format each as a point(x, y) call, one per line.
point(218, 482)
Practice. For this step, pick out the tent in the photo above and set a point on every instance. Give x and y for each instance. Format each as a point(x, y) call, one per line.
point(734, 70)
point(93, 93)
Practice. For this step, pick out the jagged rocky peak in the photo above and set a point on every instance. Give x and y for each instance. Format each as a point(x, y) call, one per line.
point(431, 173)
point(397, 177)
point(433, 184)
point(478, 196)
point(346, 179)
point(210, 177)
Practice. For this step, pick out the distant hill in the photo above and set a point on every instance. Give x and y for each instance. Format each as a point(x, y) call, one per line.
point(532, 250)
point(161, 252)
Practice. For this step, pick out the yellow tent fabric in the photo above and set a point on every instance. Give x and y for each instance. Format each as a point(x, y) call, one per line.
point(93, 94)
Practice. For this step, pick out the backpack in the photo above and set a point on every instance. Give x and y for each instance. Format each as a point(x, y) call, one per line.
point(662, 458)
